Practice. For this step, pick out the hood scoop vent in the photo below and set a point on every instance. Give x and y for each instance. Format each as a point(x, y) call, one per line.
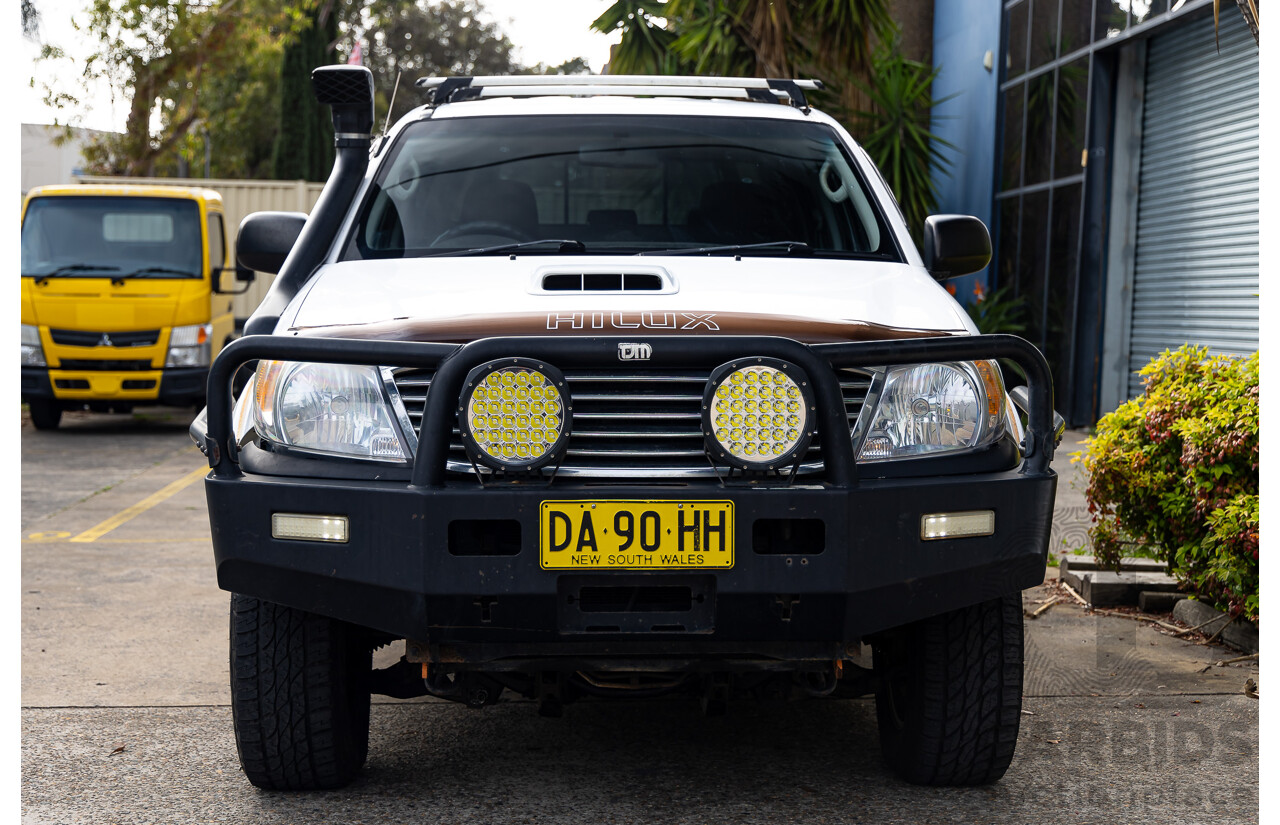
point(649, 281)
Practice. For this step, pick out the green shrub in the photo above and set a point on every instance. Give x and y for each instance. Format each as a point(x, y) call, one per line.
point(1176, 471)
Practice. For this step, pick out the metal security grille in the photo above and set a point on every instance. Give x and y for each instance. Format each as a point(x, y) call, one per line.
point(1196, 260)
point(637, 424)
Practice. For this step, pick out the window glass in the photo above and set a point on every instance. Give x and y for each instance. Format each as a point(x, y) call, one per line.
point(1064, 239)
point(217, 242)
point(1073, 95)
point(116, 235)
point(1016, 42)
point(1032, 260)
point(1040, 117)
point(1077, 22)
point(1011, 163)
point(617, 184)
point(1110, 17)
point(1044, 32)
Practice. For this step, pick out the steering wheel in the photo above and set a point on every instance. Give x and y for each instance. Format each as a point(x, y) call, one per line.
point(499, 228)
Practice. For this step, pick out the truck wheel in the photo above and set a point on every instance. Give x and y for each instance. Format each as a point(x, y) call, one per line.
point(949, 697)
point(299, 696)
point(45, 414)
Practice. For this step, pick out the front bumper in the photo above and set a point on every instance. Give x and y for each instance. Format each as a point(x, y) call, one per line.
point(405, 571)
point(178, 387)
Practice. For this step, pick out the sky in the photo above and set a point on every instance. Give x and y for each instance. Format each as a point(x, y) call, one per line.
point(543, 31)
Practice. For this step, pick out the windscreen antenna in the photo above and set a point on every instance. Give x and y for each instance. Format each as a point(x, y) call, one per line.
point(392, 104)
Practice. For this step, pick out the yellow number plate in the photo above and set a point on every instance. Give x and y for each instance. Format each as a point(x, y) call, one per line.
point(636, 535)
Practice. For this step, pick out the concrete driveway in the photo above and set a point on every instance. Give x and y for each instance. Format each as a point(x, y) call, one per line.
point(125, 713)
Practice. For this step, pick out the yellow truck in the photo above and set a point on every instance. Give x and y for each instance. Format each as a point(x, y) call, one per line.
point(126, 297)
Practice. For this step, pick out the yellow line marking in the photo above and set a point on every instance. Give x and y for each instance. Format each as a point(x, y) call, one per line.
point(123, 541)
point(96, 532)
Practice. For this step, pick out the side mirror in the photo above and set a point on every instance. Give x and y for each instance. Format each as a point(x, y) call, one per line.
point(955, 245)
point(265, 238)
point(243, 276)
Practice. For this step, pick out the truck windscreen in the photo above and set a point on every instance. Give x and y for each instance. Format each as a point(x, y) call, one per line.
point(118, 237)
point(619, 184)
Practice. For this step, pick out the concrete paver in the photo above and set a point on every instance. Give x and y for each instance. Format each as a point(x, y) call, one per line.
point(124, 645)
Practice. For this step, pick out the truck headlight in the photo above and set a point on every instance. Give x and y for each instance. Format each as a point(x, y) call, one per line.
point(32, 351)
point(929, 409)
point(189, 346)
point(326, 409)
point(756, 413)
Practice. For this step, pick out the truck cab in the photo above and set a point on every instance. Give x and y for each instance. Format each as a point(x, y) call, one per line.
point(610, 387)
point(126, 297)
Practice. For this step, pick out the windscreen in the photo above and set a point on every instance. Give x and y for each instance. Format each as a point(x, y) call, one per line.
point(122, 237)
point(618, 184)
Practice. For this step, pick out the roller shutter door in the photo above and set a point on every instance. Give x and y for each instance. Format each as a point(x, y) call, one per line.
point(1196, 258)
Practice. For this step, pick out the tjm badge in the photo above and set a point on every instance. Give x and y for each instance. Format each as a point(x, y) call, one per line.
point(634, 352)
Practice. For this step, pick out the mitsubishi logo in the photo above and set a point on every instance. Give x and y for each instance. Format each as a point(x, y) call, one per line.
point(634, 352)
point(105, 340)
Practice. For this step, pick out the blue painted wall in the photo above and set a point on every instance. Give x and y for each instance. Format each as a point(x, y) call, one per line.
point(964, 31)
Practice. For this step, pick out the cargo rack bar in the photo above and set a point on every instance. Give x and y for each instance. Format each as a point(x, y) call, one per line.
point(766, 90)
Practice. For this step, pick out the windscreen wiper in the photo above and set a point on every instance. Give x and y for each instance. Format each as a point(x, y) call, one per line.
point(790, 247)
point(566, 246)
point(160, 270)
point(67, 269)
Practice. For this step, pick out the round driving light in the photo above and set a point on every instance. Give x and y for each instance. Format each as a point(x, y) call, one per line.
point(527, 435)
point(760, 435)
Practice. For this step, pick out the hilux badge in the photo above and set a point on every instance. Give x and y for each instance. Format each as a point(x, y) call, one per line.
point(634, 352)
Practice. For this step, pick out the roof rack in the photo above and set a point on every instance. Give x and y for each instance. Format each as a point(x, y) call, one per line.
point(444, 90)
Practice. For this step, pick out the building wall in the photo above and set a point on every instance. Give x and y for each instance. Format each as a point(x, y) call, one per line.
point(965, 32)
point(45, 161)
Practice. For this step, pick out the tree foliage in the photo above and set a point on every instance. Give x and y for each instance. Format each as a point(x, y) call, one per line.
point(166, 58)
point(213, 73)
point(410, 39)
point(304, 139)
point(895, 132)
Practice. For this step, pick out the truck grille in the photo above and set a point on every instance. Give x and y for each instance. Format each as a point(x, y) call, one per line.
point(80, 338)
point(109, 366)
point(641, 424)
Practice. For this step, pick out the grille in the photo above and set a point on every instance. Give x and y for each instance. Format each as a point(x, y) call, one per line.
point(642, 423)
point(99, 366)
point(79, 338)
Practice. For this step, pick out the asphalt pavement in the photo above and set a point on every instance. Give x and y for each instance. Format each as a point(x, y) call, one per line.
point(125, 715)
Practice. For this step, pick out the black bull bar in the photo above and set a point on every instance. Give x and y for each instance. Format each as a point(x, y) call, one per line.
point(453, 362)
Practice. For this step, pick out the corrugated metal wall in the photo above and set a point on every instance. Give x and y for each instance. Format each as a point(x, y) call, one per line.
point(240, 198)
point(1196, 267)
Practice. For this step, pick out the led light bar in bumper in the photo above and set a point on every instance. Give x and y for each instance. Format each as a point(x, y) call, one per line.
point(957, 525)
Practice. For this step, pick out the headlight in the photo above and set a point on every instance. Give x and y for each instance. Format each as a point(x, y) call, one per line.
point(514, 414)
point(930, 409)
point(32, 351)
point(757, 413)
point(327, 409)
point(189, 346)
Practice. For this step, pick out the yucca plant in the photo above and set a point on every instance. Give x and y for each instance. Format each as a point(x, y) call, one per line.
point(895, 131)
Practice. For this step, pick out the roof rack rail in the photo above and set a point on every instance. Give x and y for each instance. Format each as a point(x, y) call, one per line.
point(444, 90)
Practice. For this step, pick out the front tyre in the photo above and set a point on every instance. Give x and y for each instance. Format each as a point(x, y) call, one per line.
point(45, 413)
point(299, 696)
point(949, 697)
